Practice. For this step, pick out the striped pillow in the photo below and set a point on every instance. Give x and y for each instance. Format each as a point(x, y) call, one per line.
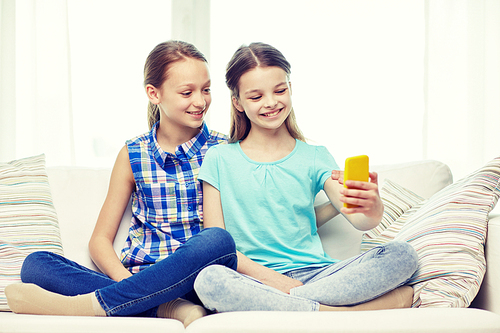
point(397, 201)
point(448, 231)
point(28, 220)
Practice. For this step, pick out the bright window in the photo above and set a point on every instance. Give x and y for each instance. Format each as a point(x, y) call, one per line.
point(357, 69)
point(109, 43)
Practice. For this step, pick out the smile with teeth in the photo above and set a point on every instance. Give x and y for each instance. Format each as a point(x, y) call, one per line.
point(196, 113)
point(271, 114)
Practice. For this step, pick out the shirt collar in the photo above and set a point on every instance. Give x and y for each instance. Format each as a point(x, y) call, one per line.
point(193, 146)
point(184, 151)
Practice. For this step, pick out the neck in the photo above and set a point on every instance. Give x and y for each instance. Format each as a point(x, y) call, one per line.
point(265, 137)
point(169, 136)
point(268, 146)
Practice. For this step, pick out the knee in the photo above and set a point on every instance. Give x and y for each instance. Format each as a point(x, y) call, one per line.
point(221, 238)
point(33, 266)
point(30, 266)
point(209, 279)
point(408, 257)
point(210, 285)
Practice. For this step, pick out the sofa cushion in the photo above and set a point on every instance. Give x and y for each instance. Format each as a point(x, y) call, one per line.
point(28, 220)
point(397, 201)
point(386, 321)
point(448, 231)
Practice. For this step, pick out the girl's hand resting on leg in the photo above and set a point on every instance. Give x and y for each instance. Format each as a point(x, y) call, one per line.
point(281, 282)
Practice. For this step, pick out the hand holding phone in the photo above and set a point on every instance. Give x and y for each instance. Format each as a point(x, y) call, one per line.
point(356, 168)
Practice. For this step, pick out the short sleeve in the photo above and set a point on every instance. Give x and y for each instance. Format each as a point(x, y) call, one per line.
point(324, 164)
point(209, 171)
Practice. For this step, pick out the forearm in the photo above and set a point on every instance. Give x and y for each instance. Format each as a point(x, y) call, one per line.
point(105, 258)
point(362, 222)
point(265, 275)
point(324, 213)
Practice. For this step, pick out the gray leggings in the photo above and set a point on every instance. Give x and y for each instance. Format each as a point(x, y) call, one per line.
point(348, 282)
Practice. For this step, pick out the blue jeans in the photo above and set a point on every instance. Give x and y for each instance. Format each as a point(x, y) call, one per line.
point(349, 282)
point(142, 293)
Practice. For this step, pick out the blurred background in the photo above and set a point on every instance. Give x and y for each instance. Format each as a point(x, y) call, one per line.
point(397, 80)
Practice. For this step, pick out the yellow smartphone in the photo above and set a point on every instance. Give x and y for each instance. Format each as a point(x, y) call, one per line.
point(356, 168)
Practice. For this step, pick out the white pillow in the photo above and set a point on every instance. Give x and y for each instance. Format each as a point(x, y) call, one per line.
point(28, 220)
point(448, 231)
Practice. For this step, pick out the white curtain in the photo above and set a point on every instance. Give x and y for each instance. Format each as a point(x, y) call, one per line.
point(36, 89)
point(71, 81)
point(462, 83)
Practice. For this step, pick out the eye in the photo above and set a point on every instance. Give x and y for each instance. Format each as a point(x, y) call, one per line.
point(207, 90)
point(186, 93)
point(255, 98)
point(281, 91)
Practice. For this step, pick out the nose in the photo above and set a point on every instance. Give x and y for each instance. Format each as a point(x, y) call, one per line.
point(200, 101)
point(271, 102)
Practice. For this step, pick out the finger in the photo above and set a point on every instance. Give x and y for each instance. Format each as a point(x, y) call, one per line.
point(338, 175)
point(355, 201)
point(361, 185)
point(364, 198)
point(354, 210)
point(373, 177)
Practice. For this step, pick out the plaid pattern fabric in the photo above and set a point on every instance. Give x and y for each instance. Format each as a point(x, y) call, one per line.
point(167, 202)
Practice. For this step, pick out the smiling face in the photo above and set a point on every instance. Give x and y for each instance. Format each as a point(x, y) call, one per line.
point(265, 97)
point(184, 96)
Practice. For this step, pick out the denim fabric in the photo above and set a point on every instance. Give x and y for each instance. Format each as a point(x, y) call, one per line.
point(143, 292)
point(349, 282)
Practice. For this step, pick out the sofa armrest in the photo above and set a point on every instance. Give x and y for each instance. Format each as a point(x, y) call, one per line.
point(489, 294)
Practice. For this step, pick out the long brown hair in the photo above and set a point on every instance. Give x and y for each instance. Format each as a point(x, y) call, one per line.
point(245, 59)
point(157, 64)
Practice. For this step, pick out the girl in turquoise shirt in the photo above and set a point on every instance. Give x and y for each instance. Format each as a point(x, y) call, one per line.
point(261, 188)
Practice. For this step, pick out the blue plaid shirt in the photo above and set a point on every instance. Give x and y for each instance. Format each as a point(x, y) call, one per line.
point(167, 202)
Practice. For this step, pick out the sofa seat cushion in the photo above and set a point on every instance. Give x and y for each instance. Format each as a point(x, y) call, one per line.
point(28, 220)
point(448, 231)
point(386, 321)
point(11, 322)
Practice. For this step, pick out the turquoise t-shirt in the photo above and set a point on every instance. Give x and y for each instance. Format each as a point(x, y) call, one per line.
point(269, 207)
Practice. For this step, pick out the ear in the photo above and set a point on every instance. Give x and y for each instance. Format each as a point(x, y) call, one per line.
point(237, 105)
point(153, 94)
point(290, 85)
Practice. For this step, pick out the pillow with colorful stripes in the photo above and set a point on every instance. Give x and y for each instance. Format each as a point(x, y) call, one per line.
point(397, 200)
point(28, 220)
point(448, 231)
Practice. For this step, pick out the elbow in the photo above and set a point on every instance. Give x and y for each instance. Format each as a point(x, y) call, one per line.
point(366, 225)
point(91, 247)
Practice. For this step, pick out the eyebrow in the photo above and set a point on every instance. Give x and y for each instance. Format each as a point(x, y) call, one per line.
point(258, 90)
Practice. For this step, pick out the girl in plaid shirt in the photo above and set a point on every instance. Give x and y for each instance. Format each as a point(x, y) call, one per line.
point(166, 247)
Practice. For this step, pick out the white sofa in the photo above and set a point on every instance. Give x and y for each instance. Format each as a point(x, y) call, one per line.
point(78, 194)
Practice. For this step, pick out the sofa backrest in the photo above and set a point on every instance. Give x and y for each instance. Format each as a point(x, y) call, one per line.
point(78, 194)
